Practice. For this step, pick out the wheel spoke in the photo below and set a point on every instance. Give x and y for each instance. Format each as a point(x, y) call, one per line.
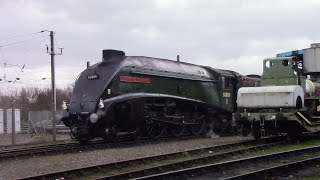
point(155, 130)
point(177, 131)
point(198, 128)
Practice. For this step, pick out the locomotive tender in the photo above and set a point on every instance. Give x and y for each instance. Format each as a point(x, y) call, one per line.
point(143, 96)
point(288, 100)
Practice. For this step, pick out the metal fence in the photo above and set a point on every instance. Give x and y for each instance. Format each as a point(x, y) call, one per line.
point(31, 127)
point(41, 122)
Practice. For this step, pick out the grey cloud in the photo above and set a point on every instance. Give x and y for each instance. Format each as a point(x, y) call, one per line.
point(219, 30)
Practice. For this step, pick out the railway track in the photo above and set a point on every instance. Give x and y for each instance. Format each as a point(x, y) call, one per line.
point(72, 147)
point(160, 163)
point(277, 172)
point(258, 167)
point(34, 150)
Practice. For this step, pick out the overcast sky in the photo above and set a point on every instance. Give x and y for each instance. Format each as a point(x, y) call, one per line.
point(227, 34)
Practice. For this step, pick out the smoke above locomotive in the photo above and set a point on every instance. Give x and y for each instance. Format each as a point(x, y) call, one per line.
point(143, 96)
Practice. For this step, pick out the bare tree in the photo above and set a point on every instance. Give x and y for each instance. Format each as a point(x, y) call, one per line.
point(33, 99)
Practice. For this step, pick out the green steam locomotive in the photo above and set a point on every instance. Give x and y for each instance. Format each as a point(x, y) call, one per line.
point(140, 97)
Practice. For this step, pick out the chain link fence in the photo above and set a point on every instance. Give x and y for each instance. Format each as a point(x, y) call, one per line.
point(33, 125)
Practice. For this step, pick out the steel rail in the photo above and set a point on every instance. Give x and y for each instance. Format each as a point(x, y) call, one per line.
point(265, 173)
point(145, 160)
point(215, 167)
point(73, 147)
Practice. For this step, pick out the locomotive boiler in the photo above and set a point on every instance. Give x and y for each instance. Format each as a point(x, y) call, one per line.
point(288, 101)
point(140, 96)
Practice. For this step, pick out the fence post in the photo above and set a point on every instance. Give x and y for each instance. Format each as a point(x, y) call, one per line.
point(13, 128)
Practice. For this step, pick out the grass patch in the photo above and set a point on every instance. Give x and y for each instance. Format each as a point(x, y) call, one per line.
point(289, 147)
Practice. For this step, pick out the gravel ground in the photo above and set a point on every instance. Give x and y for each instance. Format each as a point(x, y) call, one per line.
point(310, 172)
point(13, 169)
point(24, 139)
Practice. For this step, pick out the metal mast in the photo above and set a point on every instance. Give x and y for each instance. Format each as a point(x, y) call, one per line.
point(53, 86)
point(53, 83)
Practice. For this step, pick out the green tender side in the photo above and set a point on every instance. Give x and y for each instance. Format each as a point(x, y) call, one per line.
point(206, 91)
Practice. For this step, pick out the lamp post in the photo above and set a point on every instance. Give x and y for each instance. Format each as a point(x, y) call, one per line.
point(53, 86)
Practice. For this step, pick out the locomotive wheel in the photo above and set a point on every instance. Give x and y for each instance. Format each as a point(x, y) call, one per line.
point(83, 141)
point(244, 132)
point(110, 137)
point(138, 134)
point(208, 128)
point(294, 136)
point(73, 132)
point(197, 129)
point(155, 130)
point(241, 129)
point(177, 131)
point(222, 125)
point(257, 135)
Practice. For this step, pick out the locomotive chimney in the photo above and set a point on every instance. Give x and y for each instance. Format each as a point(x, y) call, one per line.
point(109, 54)
point(178, 58)
point(88, 64)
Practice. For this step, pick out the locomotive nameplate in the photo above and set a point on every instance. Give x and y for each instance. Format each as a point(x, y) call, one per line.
point(135, 79)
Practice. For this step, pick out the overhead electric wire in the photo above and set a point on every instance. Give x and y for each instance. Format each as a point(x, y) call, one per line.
point(4, 58)
point(9, 64)
point(21, 72)
point(45, 40)
point(19, 36)
point(4, 65)
point(17, 42)
point(18, 78)
point(8, 43)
